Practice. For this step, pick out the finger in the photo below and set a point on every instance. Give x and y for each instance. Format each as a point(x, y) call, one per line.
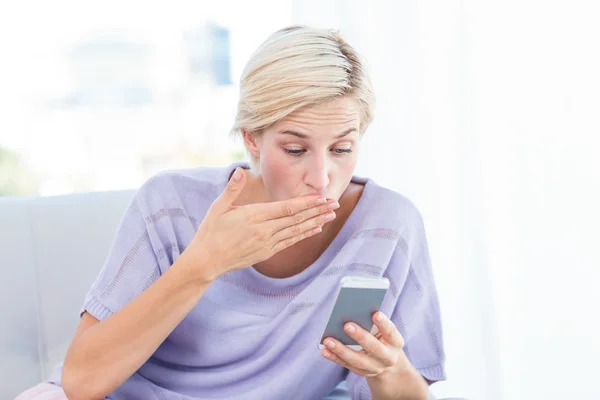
point(285, 243)
point(332, 357)
point(309, 214)
point(374, 347)
point(355, 359)
point(305, 226)
point(231, 192)
point(388, 330)
point(287, 208)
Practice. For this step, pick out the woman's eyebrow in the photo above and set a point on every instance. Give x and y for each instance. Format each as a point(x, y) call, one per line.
point(303, 136)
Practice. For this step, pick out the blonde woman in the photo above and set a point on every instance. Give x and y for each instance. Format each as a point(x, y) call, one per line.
point(220, 279)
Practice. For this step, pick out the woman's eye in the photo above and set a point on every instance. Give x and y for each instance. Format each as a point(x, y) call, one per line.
point(342, 151)
point(294, 152)
point(298, 152)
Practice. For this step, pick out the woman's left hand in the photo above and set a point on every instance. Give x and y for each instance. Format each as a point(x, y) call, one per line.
point(381, 353)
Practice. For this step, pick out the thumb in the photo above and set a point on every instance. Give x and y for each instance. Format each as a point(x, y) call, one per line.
point(232, 191)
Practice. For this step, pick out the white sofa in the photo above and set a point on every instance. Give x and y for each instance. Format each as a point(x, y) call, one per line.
point(51, 249)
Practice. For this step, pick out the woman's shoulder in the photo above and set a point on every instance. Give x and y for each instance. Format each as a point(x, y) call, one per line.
point(202, 175)
point(386, 217)
point(202, 181)
point(189, 190)
point(388, 205)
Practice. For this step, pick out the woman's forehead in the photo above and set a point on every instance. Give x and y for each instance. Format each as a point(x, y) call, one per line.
point(341, 114)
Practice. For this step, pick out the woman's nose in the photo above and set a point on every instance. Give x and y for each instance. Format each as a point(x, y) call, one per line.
point(317, 176)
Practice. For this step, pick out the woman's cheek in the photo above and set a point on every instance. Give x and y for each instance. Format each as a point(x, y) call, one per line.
point(277, 174)
point(277, 167)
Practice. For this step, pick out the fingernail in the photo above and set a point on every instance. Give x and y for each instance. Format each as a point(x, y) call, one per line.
point(321, 201)
point(330, 216)
point(380, 317)
point(350, 328)
point(334, 206)
point(237, 174)
point(330, 344)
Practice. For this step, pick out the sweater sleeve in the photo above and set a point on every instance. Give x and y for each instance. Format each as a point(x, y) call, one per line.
point(416, 314)
point(144, 246)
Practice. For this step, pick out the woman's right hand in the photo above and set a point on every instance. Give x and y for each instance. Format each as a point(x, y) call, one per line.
point(235, 237)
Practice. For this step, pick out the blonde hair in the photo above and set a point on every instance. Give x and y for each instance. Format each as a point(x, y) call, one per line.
point(298, 67)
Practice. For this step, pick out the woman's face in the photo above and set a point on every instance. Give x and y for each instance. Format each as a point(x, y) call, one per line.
point(312, 151)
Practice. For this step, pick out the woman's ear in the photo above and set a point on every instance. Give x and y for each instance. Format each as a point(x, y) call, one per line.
point(252, 142)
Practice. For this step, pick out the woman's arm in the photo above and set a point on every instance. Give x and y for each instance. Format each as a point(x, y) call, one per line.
point(104, 354)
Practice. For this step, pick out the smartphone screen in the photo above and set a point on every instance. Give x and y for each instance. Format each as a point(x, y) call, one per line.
point(353, 305)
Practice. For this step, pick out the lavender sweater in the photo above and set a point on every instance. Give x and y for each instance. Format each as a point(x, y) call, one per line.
point(255, 337)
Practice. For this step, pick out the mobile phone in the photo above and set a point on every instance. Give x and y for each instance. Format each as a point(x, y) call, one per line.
point(358, 298)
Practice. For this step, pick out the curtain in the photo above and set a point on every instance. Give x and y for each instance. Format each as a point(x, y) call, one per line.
point(487, 119)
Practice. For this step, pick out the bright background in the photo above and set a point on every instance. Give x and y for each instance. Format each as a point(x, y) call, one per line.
point(487, 118)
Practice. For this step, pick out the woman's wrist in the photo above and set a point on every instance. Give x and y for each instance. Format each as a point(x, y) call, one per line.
point(195, 266)
point(399, 383)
